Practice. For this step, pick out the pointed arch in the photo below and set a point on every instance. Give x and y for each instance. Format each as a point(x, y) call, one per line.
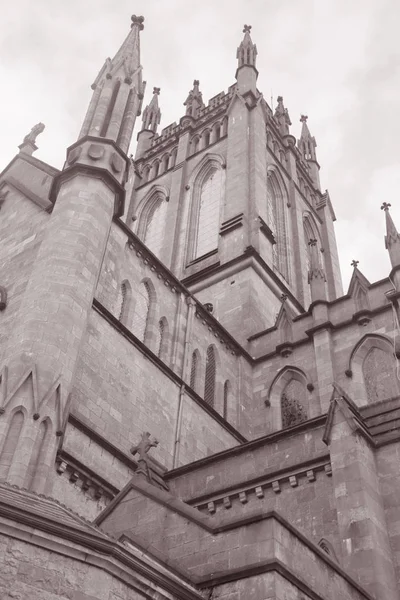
point(152, 213)
point(211, 376)
point(11, 440)
point(288, 397)
point(155, 169)
point(194, 144)
point(195, 370)
point(164, 163)
point(278, 220)
point(144, 310)
point(38, 463)
point(206, 203)
point(373, 369)
point(310, 231)
point(163, 338)
point(205, 138)
point(145, 174)
point(327, 547)
point(124, 302)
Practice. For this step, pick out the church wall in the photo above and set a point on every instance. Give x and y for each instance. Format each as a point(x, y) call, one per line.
point(387, 461)
point(49, 568)
point(21, 230)
point(120, 393)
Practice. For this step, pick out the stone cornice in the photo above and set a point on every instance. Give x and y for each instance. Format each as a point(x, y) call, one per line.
point(93, 172)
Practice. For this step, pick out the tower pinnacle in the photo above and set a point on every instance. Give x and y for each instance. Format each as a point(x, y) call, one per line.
point(392, 237)
point(307, 145)
point(246, 72)
point(152, 114)
point(282, 117)
point(247, 51)
point(194, 102)
point(117, 93)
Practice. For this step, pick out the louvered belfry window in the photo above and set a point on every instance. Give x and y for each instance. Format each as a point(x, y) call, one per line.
point(122, 300)
point(141, 316)
point(155, 227)
point(193, 371)
point(209, 388)
point(208, 223)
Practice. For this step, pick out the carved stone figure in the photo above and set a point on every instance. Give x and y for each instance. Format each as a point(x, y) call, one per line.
point(34, 132)
point(142, 448)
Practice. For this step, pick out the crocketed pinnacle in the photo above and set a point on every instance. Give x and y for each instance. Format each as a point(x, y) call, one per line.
point(392, 237)
point(128, 56)
point(194, 102)
point(152, 114)
point(307, 143)
point(247, 51)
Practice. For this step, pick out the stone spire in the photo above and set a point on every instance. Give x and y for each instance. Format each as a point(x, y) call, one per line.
point(282, 117)
point(246, 72)
point(392, 237)
point(194, 102)
point(316, 274)
point(117, 93)
point(307, 145)
point(152, 114)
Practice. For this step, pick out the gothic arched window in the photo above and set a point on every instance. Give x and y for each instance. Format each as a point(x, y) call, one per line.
point(277, 220)
point(194, 370)
point(152, 217)
point(142, 309)
point(209, 387)
point(208, 213)
point(154, 234)
point(162, 338)
point(380, 376)
point(123, 302)
point(294, 403)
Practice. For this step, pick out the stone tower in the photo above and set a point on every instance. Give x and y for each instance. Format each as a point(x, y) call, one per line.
point(179, 365)
point(244, 203)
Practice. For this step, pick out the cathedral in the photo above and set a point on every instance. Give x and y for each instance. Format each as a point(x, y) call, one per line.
point(191, 407)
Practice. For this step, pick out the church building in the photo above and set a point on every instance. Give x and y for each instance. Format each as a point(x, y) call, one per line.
point(191, 407)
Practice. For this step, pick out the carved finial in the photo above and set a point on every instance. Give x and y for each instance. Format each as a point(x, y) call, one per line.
point(138, 21)
point(385, 206)
point(312, 242)
point(156, 91)
point(283, 298)
point(354, 263)
point(142, 448)
point(303, 119)
point(246, 28)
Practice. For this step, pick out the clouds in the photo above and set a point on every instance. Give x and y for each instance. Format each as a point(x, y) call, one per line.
point(335, 60)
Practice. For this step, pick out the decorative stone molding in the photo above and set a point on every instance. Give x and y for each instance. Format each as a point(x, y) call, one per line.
point(271, 484)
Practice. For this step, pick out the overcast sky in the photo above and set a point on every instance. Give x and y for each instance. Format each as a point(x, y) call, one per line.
point(338, 61)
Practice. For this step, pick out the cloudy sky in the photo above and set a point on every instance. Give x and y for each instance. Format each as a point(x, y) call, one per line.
point(338, 61)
